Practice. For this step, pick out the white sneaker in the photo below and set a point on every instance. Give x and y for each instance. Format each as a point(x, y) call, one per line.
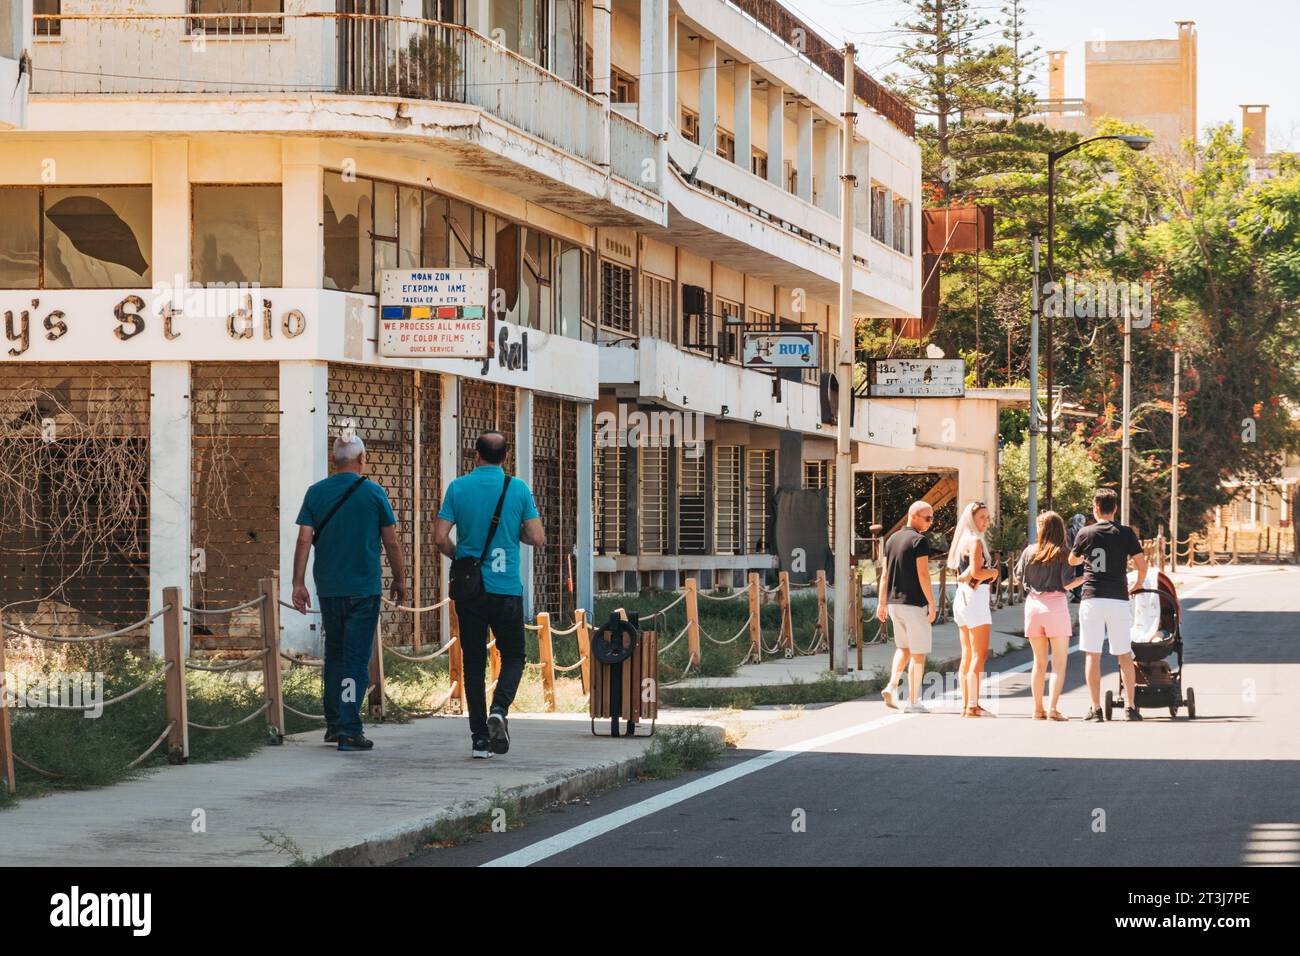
point(888, 696)
point(917, 708)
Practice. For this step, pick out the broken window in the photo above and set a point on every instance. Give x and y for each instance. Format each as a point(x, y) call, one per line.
point(435, 253)
point(349, 249)
point(20, 239)
point(98, 237)
point(535, 305)
point(409, 209)
point(237, 235)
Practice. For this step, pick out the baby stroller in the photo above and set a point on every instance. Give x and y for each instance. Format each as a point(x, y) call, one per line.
point(1156, 636)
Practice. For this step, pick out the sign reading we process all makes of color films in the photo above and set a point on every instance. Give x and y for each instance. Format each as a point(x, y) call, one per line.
point(433, 313)
point(781, 350)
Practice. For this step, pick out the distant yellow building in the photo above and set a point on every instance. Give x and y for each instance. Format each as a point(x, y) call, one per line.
point(1151, 82)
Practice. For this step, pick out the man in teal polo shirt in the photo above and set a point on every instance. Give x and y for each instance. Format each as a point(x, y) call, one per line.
point(347, 516)
point(468, 506)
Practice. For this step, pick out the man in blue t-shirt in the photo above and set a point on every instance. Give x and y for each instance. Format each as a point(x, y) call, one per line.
point(347, 516)
point(468, 506)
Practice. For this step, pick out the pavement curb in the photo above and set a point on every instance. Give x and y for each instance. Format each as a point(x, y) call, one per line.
point(397, 843)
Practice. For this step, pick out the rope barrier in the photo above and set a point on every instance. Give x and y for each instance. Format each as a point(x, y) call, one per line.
point(15, 629)
point(734, 637)
point(310, 610)
point(556, 632)
point(679, 636)
point(571, 667)
point(416, 610)
point(105, 703)
point(532, 627)
point(729, 597)
point(304, 661)
point(265, 704)
point(669, 607)
point(48, 774)
point(423, 658)
point(299, 713)
point(680, 677)
point(152, 747)
point(224, 610)
point(446, 699)
point(219, 668)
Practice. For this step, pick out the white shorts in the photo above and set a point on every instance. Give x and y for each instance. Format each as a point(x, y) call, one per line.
point(1105, 618)
point(970, 606)
point(911, 627)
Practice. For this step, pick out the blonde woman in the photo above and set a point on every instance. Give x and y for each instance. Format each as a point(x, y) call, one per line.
point(1045, 568)
point(970, 558)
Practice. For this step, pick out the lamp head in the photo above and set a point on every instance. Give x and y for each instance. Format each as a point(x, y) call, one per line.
point(1136, 143)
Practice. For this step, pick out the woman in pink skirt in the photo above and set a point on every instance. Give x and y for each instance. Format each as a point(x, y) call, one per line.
point(1048, 576)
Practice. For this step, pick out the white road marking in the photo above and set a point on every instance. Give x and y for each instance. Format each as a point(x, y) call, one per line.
point(575, 836)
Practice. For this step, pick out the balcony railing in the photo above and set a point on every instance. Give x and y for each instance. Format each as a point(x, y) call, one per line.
point(358, 54)
point(630, 145)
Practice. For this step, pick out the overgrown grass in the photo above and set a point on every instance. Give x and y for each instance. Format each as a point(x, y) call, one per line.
point(674, 750)
point(823, 691)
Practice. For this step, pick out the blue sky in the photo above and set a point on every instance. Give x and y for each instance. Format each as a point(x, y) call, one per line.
point(1246, 47)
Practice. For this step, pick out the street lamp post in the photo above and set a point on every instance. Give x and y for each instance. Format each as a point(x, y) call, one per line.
point(1137, 143)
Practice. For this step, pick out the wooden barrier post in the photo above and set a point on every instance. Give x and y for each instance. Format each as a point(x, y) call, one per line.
point(823, 618)
point(856, 597)
point(270, 588)
point(547, 657)
point(755, 619)
point(178, 738)
point(6, 734)
point(787, 620)
point(584, 648)
point(456, 659)
point(378, 706)
point(693, 620)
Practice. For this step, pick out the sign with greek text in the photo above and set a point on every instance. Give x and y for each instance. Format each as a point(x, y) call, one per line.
point(433, 313)
point(918, 378)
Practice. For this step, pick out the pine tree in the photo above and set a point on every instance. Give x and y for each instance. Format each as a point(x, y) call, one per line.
point(1023, 59)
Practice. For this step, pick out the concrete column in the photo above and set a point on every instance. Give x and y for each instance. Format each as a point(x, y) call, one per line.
point(302, 201)
point(585, 586)
point(743, 84)
point(600, 49)
point(171, 213)
point(775, 134)
point(476, 16)
point(654, 109)
point(449, 464)
point(803, 157)
point(673, 100)
point(708, 74)
point(524, 470)
point(169, 488)
point(304, 460)
point(830, 171)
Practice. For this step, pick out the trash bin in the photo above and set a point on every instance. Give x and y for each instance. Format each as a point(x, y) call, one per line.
point(624, 676)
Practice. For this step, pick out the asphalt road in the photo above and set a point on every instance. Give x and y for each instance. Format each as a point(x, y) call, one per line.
point(856, 784)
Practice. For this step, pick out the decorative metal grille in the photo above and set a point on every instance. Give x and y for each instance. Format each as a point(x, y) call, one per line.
point(235, 491)
point(691, 514)
point(652, 506)
point(485, 406)
point(74, 499)
point(428, 589)
point(729, 507)
point(555, 488)
point(758, 497)
point(378, 404)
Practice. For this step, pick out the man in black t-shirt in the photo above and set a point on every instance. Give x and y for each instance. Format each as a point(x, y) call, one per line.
point(1105, 612)
point(906, 598)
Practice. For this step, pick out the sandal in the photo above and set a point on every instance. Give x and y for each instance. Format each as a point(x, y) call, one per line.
point(1040, 715)
point(1057, 715)
point(978, 711)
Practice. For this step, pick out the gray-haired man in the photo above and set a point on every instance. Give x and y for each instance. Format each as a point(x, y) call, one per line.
point(346, 516)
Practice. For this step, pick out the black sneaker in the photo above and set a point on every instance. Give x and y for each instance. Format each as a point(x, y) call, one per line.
point(498, 731)
point(1094, 713)
point(359, 742)
point(1133, 714)
point(480, 748)
point(331, 736)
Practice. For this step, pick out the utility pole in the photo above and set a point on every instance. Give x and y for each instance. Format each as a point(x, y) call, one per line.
point(846, 603)
point(1128, 413)
point(1173, 477)
point(1036, 307)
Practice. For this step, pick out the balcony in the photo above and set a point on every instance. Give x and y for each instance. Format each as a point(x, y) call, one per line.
point(299, 56)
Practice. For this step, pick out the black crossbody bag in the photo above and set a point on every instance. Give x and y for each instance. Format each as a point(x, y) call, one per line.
point(465, 584)
point(315, 535)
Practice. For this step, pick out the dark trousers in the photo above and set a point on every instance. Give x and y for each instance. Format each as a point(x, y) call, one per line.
point(349, 624)
point(504, 614)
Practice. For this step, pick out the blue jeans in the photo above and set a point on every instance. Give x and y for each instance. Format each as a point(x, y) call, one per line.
point(349, 624)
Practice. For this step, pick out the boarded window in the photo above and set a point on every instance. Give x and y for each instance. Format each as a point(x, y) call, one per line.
point(74, 495)
point(728, 506)
point(235, 495)
point(98, 237)
point(237, 235)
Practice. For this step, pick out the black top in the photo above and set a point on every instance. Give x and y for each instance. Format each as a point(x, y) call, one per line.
point(1106, 548)
point(901, 552)
point(1045, 577)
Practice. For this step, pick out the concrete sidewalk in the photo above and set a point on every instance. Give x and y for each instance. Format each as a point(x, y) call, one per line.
point(1008, 628)
point(345, 808)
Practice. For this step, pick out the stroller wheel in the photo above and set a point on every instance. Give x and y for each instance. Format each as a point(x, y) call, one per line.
point(1173, 709)
point(1191, 704)
point(1110, 704)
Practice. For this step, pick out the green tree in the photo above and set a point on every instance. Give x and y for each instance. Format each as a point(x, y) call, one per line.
point(1076, 475)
